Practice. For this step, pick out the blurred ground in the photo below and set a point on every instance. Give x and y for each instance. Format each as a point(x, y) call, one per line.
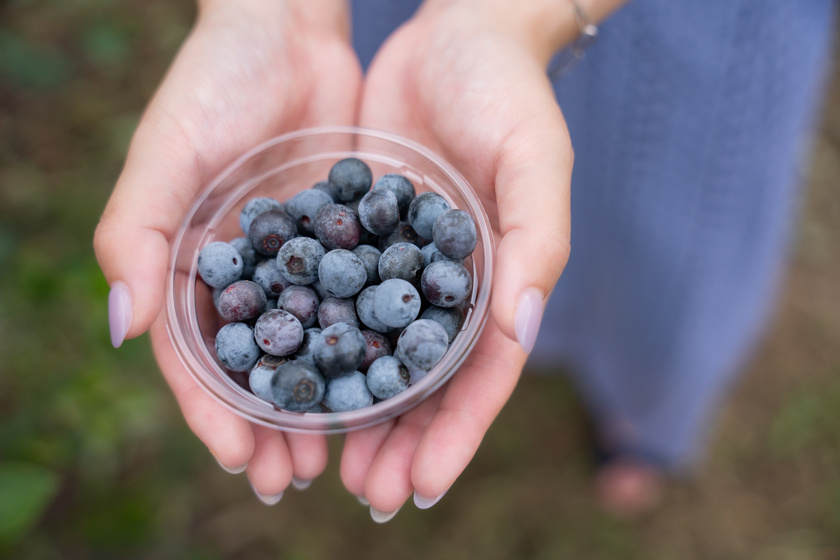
point(96, 462)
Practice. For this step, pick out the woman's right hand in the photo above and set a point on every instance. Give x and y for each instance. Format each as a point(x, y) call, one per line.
point(250, 70)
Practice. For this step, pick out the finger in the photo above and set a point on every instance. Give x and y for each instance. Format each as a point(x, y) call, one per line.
point(270, 467)
point(309, 457)
point(229, 437)
point(360, 449)
point(532, 182)
point(388, 482)
point(473, 398)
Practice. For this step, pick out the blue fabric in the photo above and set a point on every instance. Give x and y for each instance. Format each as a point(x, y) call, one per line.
point(689, 121)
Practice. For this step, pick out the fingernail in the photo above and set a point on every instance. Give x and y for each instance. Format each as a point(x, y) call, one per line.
point(300, 483)
point(426, 503)
point(234, 470)
point(362, 500)
point(381, 516)
point(119, 312)
point(528, 318)
point(268, 499)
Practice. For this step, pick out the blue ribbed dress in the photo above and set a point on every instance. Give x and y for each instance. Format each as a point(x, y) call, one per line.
point(690, 120)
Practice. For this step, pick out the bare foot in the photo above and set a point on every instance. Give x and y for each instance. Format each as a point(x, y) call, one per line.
point(629, 488)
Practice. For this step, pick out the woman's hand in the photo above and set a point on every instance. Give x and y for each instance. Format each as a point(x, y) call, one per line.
point(467, 80)
point(249, 70)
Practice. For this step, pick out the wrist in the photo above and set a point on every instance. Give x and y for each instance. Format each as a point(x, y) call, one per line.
point(541, 26)
point(329, 17)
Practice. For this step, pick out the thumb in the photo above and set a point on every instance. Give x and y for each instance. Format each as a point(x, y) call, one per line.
point(533, 176)
point(132, 239)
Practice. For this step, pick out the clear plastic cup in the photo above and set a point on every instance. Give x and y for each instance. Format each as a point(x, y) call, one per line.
point(280, 168)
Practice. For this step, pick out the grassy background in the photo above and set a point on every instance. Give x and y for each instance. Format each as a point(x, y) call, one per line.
point(96, 461)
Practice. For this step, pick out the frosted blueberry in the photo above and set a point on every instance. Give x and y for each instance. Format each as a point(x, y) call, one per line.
point(422, 344)
point(342, 273)
point(396, 303)
point(387, 377)
point(236, 348)
point(349, 178)
point(298, 260)
point(278, 332)
point(348, 392)
point(219, 264)
point(424, 210)
point(297, 386)
point(254, 208)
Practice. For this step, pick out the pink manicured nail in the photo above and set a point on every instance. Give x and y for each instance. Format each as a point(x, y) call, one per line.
point(301, 483)
point(382, 516)
point(528, 317)
point(268, 499)
point(426, 503)
point(233, 470)
point(119, 312)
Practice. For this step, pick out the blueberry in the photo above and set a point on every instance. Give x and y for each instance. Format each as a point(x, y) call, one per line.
point(304, 352)
point(376, 346)
point(304, 206)
point(403, 233)
point(348, 392)
point(401, 260)
point(254, 208)
point(220, 264)
point(370, 256)
point(339, 349)
point(337, 227)
point(366, 313)
point(270, 279)
point(422, 344)
point(432, 254)
point(250, 258)
point(446, 283)
point(402, 188)
point(337, 310)
point(451, 318)
point(259, 379)
point(298, 260)
point(236, 348)
point(342, 273)
point(454, 234)
point(424, 210)
point(241, 301)
point(217, 292)
point(379, 212)
point(270, 230)
point(396, 303)
point(387, 377)
point(324, 187)
point(297, 386)
point(320, 290)
point(350, 178)
point(270, 304)
point(302, 302)
point(278, 332)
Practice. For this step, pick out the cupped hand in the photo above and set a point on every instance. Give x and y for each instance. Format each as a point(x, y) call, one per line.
point(465, 83)
point(248, 71)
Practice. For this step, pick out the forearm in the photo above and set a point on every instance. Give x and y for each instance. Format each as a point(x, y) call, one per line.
point(330, 16)
point(542, 26)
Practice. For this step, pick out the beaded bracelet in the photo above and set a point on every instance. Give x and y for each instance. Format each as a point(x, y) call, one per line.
point(570, 56)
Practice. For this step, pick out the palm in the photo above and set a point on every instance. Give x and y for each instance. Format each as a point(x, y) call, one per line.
point(238, 81)
point(482, 102)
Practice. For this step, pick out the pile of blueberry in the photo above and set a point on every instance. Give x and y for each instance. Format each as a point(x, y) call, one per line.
point(324, 286)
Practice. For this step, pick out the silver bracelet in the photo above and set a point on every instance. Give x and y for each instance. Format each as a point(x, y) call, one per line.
point(570, 56)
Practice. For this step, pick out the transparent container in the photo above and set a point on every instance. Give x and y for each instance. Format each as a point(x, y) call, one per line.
point(280, 168)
